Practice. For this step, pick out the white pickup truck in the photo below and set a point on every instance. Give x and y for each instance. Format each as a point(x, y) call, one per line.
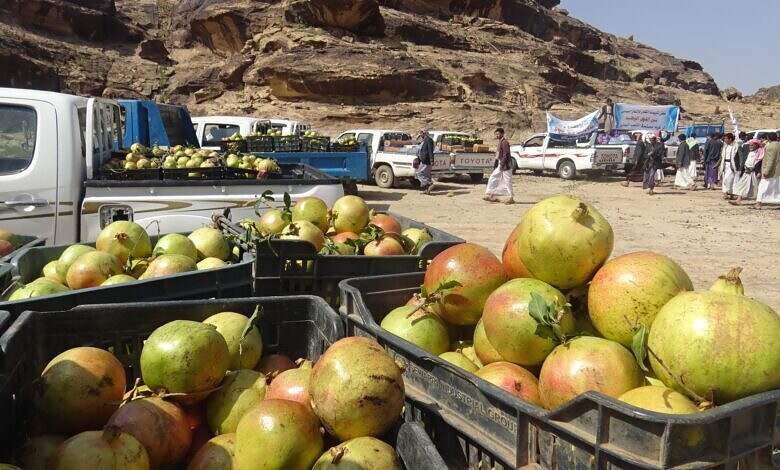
point(568, 159)
point(211, 130)
point(52, 149)
point(389, 165)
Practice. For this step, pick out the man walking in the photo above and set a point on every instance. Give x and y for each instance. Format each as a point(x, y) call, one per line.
point(712, 150)
point(500, 180)
point(638, 157)
point(727, 167)
point(425, 155)
point(653, 161)
point(769, 187)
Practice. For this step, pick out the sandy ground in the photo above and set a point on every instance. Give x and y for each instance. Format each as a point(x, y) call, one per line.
point(699, 230)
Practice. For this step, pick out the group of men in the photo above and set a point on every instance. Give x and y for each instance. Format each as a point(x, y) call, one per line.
point(649, 153)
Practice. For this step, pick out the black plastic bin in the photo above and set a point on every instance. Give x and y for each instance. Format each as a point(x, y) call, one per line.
point(287, 143)
point(234, 280)
point(263, 143)
point(490, 427)
point(287, 267)
point(233, 146)
point(22, 242)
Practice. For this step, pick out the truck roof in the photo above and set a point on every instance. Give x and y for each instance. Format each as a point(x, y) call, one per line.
point(228, 119)
point(50, 96)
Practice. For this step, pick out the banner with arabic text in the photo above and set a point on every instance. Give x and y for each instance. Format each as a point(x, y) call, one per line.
point(644, 117)
point(559, 129)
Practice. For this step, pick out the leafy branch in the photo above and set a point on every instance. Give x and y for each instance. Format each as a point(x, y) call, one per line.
point(548, 316)
point(428, 299)
point(253, 321)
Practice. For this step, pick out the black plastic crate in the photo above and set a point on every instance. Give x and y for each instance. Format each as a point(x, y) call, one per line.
point(287, 143)
point(22, 242)
point(315, 144)
point(496, 430)
point(263, 143)
point(230, 173)
point(288, 267)
point(342, 147)
point(232, 146)
point(214, 173)
point(145, 174)
point(234, 280)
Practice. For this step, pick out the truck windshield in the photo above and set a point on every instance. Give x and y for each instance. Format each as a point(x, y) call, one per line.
point(18, 130)
point(214, 133)
point(173, 123)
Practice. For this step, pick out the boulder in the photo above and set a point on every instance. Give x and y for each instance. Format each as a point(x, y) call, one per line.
point(361, 17)
point(154, 50)
point(731, 94)
point(86, 19)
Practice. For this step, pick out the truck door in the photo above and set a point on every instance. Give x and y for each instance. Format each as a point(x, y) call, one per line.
point(28, 168)
point(532, 154)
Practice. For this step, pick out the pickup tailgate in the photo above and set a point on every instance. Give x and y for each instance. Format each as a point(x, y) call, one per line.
point(464, 162)
point(608, 156)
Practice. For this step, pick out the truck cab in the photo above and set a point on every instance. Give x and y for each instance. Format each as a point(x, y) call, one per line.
point(156, 124)
point(290, 127)
point(211, 130)
point(567, 158)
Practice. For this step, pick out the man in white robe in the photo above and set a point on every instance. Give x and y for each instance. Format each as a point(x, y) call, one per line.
point(728, 165)
point(769, 187)
point(687, 153)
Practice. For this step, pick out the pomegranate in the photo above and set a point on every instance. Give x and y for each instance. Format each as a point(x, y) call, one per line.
point(628, 291)
point(349, 214)
point(175, 244)
point(356, 389)
point(167, 265)
point(109, 449)
point(471, 355)
point(40, 453)
point(50, 272)
point(359, 453)
point(729, 283)
point(210, 263)
point(510, 257)
point(306, 231)
point(240, 391)
point(184, 356)
point(384, 246)
point(512, 379)
point(510, 326)
point(344, 236)
point(37, 288)
point(722, 347)
point(245, 350)
point(387, 223)
point(564, 241)
point(311, 209)
point(118, 279)
point(274, 364)
point(124, 239)
point(200, 437)
point(160, 426)
point(477, 270)
point(420, 327)
point(418, 236)
point(68, 257)
point(210, 243)
point(80, 389)
point(660, 400)
point(482, 348)
point(587, 363)
point(272, 222)
point(92, 269)
point(459, 360)
point(292, 384)
point(340, 243)
point(7, 236)
point(217, 454)
point(282, 434)
point(138, 267)
point(5, 248)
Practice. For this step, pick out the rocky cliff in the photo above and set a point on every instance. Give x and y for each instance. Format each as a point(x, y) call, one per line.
point(458, 64)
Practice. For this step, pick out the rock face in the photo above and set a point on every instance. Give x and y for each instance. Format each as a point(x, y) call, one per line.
point(461, 64)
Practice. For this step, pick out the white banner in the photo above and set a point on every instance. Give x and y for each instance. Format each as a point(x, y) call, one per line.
point(643, 117)
point(559, 129)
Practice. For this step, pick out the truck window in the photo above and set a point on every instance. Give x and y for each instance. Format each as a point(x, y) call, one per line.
point(560, 144)
point(367, 138)
point(215, 133)
point(18, 130)
point(537, 141)
point(174, 127)
point(347, 136)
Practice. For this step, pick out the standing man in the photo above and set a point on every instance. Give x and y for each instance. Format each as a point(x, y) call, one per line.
point(607, 117)
point(727, 167)
point(712, 151)
point(685, 178)
point(500, 180)
point(640, 151)
point(653, 161)
point(769, 187)
point(425, 155)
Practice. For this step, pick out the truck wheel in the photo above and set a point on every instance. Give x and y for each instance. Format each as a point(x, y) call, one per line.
point(476, 177)
point(383, 176)
point(567, 170)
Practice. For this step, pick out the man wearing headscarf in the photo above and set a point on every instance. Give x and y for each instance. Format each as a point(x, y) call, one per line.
point(727, 166)
point(769, 187)
point(500, 181)
point(653, 161)
point(640, 152)
point(687, 151)
point(745, 187)
point(425, 155)
point(712, 151)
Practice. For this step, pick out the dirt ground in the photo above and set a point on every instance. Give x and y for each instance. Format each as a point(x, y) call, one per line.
point(699, 230)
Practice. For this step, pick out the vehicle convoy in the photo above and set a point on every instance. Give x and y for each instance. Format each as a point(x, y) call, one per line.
point(392, 153)
point(53, 182)
point(567, 158)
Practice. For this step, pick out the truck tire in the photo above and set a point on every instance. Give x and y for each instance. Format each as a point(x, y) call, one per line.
point(384, 177)
point(476, 177)
point(567, 170)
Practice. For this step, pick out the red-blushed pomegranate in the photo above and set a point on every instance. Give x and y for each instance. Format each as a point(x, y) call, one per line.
point(274, 364)
point(477, 270)
point(216, 454)
point(282, 434)
point(660, 400)
point(513, 379)
point(5, 248)
point(245, 350)
point(510, 257)
point(92, 269)
point(459, 360)
point(485, 351)
point(210, 243)
point(349, 214)
point(356, 389)
point(344, 236)
point(160, 426)
point(240, 391)
point(175, 244)
point(419, 326)
point(40, 453)
point(564, 241)
point(384, 246)
point(311, 209)
point(511, 329)
point(724, 346)
point(167, 265)
point(359, 453)
point(587, 364)
point(80, 389)
point(628, 291)
point(109, 449)
point(388, 223)
point(292, 384)
point(7, 236)
point(340, 241)
point(306, 231)
point(124, 239)
point(68, 257)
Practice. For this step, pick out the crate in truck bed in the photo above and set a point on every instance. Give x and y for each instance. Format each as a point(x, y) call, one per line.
point(261, 143)
point(20, 243)
point(286, 267)
point(287, 143)
point(495, 429)
point(315, 144)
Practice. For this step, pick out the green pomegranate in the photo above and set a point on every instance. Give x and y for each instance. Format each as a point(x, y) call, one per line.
point(660, 400)
point(459, 360)
point(311, 209)
point(124, 239)
point(720, 345)
point(240, 391)
point(307, 231)
point(40, 452)
point(68, 256)
point(419, 237)
point(512, 330)
point(175, 244)
point(628, 291)
point(245, 351)
point(217, 454)
point(210, 263)
point(118, 279)
point(470, 353)
point(92, 269)
point(350, 214)
point(167, 265)
point(564, 241)
point(184, 357)
point(418, 326)
point(484, 351)
point(109, 449)
point(272, 222)
point(280, 434)
point(50, 272)
point(210, 243)
point(357, 454)
point(38, 288)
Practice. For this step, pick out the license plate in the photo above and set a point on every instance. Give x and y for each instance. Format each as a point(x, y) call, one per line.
point(605, 158)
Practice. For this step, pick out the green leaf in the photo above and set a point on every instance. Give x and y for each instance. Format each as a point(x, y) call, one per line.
point(639, 346)
point(448, 285)
point(267, 195)
point(538, 309)
point(544, 331)
point(423, 291)
point(287, 201)
point(253, 321)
